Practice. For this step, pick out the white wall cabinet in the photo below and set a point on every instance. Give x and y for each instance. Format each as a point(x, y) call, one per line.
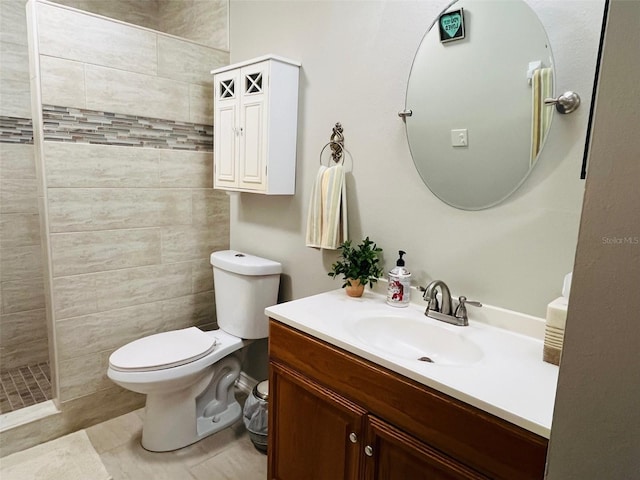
point(255, 126)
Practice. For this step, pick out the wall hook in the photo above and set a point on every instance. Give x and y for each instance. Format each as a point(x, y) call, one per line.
point(568, 102)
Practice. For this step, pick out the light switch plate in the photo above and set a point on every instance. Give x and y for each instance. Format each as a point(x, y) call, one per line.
point(459, 137)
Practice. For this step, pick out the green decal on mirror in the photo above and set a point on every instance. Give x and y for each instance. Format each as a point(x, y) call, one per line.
point(451, 26)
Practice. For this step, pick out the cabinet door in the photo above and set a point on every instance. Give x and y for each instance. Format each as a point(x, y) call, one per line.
point(315, 434)
point(226, 129)
point(253, 126)
point(394, 455)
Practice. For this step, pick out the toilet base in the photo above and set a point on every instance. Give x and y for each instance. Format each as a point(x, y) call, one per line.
point(178, 419)
point(209, 426)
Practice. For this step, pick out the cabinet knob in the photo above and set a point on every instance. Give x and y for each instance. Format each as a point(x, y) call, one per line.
point(353, 437)
point(368, 451)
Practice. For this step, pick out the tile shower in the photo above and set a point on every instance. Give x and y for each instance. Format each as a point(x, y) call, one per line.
point(122, 198)
point(23, 331)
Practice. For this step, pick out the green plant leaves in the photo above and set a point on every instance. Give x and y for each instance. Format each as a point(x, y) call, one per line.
point(360, 262)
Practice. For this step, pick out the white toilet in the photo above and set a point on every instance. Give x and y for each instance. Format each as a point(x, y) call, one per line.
point(188, 375)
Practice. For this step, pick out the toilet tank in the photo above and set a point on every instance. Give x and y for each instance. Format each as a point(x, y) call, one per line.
point(244, 286)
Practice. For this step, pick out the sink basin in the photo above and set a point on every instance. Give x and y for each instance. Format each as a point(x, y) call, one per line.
point(417, 340)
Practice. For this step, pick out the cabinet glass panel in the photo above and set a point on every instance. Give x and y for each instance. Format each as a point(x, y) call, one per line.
point(227, 88)
point(253, 83)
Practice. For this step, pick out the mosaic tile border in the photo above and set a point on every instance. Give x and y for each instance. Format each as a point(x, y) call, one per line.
point(75, 125)
point(16, 130)
point(65, 124)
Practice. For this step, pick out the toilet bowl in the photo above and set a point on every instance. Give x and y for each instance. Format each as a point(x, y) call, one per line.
point(188, 375)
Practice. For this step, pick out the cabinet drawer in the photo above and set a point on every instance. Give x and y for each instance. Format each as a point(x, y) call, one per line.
point(478, 439)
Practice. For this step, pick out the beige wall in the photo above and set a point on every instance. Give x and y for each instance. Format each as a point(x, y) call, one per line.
point(356, 58)
point(129, 230)
point(23, 330)
point(596, 423)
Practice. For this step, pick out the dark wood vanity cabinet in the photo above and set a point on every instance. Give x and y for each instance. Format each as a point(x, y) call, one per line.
point(394, 455)
point(336, 416)
point(313, 425)
point(321, 435)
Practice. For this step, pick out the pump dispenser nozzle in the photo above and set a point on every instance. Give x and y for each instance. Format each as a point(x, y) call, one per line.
point(400, 262)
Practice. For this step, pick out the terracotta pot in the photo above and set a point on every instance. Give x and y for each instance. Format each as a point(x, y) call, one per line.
point(356, 289)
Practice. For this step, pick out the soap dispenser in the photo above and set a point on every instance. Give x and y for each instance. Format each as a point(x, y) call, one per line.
point(398, 291)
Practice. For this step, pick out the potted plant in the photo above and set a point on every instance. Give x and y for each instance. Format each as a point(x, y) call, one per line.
point(358, 266)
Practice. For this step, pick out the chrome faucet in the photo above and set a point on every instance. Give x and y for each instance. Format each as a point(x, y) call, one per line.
point(431, 297)
point(444, 313)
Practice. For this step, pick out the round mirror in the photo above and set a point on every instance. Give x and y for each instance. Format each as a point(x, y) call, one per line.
point(476, 92)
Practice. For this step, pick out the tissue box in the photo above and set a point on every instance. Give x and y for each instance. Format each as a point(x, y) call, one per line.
point(554, 330)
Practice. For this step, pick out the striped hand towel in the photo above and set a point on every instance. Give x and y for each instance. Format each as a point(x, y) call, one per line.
point(542, 87)
point(327, 217)
point(314, 215)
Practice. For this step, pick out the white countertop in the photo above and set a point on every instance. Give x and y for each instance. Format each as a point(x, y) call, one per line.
point(510, 381)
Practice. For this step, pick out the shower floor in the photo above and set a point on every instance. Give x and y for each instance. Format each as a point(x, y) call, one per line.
point(24, 386)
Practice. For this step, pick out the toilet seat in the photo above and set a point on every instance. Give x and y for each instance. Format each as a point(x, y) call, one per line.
point(163, 350)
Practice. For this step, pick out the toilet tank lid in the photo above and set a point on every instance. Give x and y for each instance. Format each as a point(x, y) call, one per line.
point(244, 264)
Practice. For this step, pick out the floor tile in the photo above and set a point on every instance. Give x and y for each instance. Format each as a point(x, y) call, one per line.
point(228, 454)
point(116, 432)
point(131, 462)
point(240, 461)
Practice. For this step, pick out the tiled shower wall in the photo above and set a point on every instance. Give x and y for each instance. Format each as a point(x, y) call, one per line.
point(202, 21)
point(130, 228)
point(143, 13)
point(23, 329)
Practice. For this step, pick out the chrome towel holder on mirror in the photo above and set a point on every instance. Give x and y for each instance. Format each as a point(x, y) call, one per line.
point(568, 102)
point(336, 142)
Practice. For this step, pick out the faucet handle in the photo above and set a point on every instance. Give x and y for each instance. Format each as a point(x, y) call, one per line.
point(433, 302)
point(461, 309)
point(473, 303)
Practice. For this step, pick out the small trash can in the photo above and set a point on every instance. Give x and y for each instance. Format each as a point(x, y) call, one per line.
point(255, 415)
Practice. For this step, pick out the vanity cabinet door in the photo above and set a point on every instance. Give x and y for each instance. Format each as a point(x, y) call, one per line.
point(391, 454)
point(314, 433)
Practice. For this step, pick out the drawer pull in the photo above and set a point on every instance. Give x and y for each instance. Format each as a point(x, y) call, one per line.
point(353, 437)
point(368, 451)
